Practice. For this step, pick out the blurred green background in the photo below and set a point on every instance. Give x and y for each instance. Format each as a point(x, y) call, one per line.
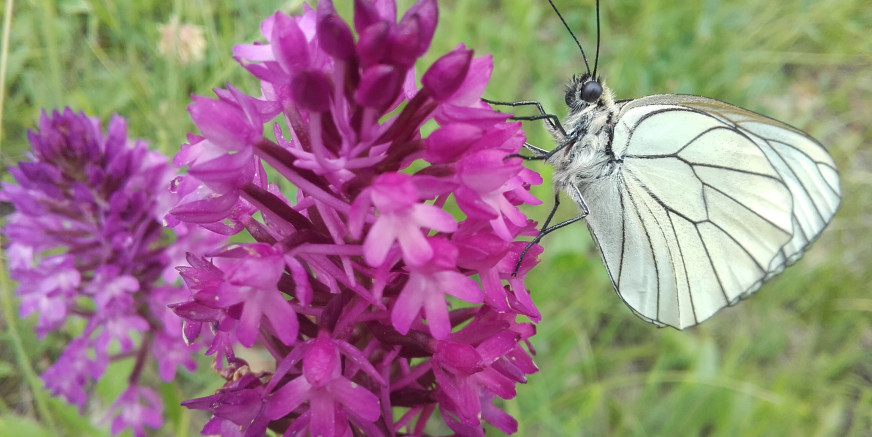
point(795, 359)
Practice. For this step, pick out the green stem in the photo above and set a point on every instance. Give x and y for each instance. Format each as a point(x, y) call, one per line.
point(4, 58)
point(52, 56)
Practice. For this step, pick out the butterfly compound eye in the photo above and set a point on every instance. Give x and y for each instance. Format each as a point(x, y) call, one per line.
point(591, 91)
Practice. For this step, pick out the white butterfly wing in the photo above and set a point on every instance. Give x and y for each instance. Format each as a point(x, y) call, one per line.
point(710, 201)
point(802, 163)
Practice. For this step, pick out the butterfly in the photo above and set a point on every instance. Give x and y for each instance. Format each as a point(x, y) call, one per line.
point(693, 203)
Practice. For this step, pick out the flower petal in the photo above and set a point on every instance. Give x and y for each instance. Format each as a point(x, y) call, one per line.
point(356, 398)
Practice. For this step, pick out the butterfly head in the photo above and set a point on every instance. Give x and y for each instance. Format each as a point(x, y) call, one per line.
point(583, 91)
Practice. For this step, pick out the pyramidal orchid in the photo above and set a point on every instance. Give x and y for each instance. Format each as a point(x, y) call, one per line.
point(382, 216)
point(87, 246)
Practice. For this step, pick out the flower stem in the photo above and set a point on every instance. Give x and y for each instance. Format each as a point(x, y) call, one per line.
point(141, 357)
point(270, 152)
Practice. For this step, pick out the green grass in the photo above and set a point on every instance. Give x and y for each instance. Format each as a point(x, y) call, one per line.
point(796, 359)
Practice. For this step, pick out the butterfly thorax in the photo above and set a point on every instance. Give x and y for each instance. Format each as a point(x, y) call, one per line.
point(584, 153)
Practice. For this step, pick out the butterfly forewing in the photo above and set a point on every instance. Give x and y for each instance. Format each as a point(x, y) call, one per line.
point(709, 201)
point(801, 162)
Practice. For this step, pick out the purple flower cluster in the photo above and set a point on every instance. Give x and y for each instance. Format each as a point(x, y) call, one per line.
point(86, 242)
point(380, 276)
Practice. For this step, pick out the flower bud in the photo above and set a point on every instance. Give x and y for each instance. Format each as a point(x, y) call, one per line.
point(447, 74)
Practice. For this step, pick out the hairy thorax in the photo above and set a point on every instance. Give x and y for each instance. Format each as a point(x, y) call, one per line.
point(586, 155)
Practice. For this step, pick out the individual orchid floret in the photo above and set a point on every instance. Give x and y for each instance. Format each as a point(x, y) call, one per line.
point(242, 286)
point(426, 289)
point(367, 252)
point(333, 399)
point(401, 217)
point(86, 242)
point(136, 408)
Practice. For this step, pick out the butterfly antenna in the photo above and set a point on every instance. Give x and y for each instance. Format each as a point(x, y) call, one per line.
point(573, 34)
point(596, 57)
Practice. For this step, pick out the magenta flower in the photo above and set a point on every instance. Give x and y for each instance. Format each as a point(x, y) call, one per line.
point(426, 289)
point(330, 395)
point(476, 364)
point(245, 282)
point(365, 233)
point(401, 218)
point(85, 242)
point(136, 408)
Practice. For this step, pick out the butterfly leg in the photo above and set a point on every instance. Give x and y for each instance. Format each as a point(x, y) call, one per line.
point(547, 230)
point(551, 119)
point(540, 154)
